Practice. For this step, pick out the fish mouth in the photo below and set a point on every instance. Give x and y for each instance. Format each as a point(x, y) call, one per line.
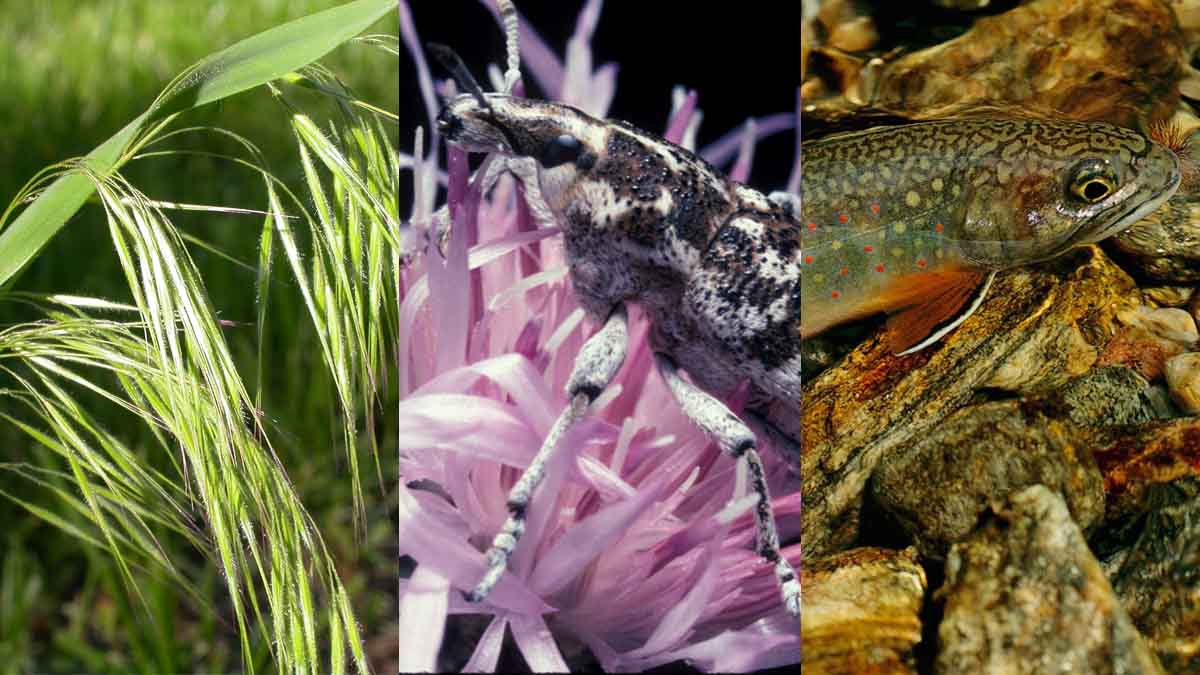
point(1136, 213)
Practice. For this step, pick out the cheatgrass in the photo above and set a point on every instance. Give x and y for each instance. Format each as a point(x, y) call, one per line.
point(184, 491)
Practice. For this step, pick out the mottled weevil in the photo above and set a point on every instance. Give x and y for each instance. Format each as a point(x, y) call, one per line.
point(714, 264)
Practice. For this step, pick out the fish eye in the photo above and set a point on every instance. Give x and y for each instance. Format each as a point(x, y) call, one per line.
point(560, 150)
point(1093, 181)
point(1095, 190)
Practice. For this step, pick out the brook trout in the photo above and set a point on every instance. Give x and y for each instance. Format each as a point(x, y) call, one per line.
point(915, 220)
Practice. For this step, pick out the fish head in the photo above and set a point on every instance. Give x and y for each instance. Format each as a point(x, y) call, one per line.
point(1063, 185)
point(564, 141)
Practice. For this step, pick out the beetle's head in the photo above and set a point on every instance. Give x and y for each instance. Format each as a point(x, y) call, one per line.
point(564, 141)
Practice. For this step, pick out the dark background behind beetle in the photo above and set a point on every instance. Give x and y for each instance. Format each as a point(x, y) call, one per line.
point(743, 61)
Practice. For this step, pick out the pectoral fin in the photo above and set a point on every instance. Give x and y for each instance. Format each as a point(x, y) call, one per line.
point(946, 299)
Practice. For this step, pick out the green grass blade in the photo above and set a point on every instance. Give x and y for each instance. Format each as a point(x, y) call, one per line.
point(249, 63)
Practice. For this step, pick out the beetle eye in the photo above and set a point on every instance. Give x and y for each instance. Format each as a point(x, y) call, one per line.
point(565, 148)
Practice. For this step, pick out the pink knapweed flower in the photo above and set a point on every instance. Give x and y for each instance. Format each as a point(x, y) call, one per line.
point(633, 546)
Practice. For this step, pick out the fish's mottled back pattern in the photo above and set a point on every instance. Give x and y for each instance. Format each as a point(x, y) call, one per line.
point(846, 173)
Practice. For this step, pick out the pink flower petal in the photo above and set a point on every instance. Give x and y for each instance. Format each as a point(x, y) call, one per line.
point(450, 280)
point(422, 620)
point(603, 89)
point(491, 250)
point(681, 118)
point(681, 618)
point(588, 539)
point(414, 300)
point(514, 374)
point(544, 506)
point(585, 23)
point(750, 649)
point(602, 479)
point(409, 33)
point(480, 427)
point(695, 533)
point(526, 343)
point(609, 658)
point(793, 184)
point(726, 147)
point(487, 652)
point(431, 545)
point(741, 168)
point(537, 645)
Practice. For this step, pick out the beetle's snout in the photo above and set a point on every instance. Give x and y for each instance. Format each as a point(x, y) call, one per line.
point(449, 124)
point(474, 129)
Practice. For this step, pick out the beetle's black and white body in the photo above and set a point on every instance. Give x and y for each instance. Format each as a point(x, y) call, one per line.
point(715, 265)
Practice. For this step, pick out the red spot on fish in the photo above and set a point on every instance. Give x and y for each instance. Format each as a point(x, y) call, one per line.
point(842, 218)
point(808, 259)
point(834, 295)
point(939, 227)
point(875, 208)
point(868, 249)
point(921, 263)
point(845, 271)
point(879, 268)
point(812, 226)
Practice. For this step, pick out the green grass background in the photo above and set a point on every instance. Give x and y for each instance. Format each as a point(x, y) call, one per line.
point(76, 71)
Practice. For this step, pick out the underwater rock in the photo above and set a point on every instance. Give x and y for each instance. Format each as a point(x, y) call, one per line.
point(1133, 459)
point(1164, 246)
point(1149, 338)
point(1168, 323)
point(861, 612)
point(855, 35)
point(1183, 379)
point(1138, 349)
point(1158, 581)
point(1187, 13)
point(1105, 396)
point(1168, 296)
point(1038, 328)
point(937, 487)
point(820, 352)
point(843, 71)
point(1121, 67)
point(1111, 60)
point(966, 5)
point(1025, 592)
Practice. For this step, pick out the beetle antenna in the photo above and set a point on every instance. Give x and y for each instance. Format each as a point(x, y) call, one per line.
point(458, 70)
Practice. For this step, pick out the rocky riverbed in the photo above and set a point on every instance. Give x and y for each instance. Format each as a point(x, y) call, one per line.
point(1024, 495)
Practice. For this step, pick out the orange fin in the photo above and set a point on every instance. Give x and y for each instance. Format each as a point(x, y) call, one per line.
point(942, 301)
